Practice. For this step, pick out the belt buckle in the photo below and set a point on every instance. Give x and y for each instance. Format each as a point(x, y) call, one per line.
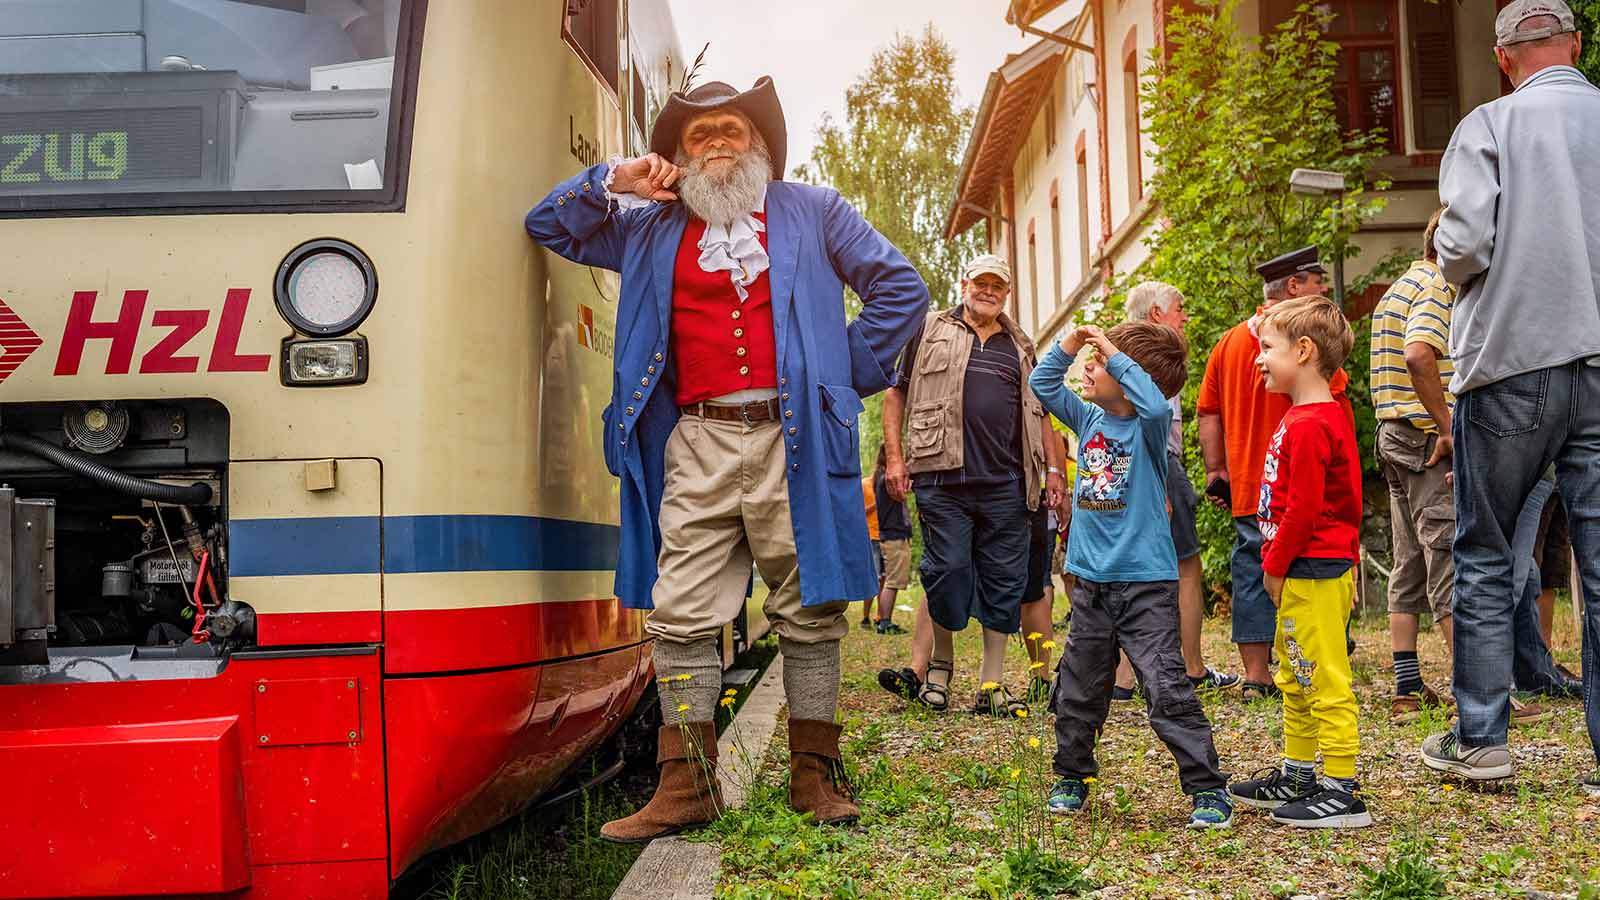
point(744, 414)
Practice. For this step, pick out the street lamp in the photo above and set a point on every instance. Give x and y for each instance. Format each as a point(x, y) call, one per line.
point(1322, 183)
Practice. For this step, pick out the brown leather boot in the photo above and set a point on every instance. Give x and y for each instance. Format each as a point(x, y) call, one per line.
point(687, 795)
point(817, 782)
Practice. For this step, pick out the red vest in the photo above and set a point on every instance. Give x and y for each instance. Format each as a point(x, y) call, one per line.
point(719, 345)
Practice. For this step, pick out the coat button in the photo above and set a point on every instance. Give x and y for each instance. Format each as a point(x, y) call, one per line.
point(658, 357)
point(793, 431)
point(795, 467)
point(739, 352)
point(620, 427)
point(645, 382)
point(651, 370)
point(586, 187)
point(637, 395)
point(561, 201)
point(744, 370)
point(571, 195)
point(786, 397)
point(788, 414)
point(630, 410)
point(782, 382)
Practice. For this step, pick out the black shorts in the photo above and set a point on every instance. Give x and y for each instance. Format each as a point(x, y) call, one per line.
point(1041, 550)
point(1180, 494)
point(974, 554)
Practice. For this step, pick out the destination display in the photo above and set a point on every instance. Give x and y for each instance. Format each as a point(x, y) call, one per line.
point(117, 133)
point(131, 144)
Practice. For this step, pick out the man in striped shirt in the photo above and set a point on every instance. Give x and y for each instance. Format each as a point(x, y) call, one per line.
point(1410, 367)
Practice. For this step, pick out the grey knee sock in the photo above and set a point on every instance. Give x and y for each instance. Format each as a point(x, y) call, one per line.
point(700, 661)
point(811, 679)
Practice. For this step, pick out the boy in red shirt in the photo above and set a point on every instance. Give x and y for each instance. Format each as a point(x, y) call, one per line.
point(1310, 517)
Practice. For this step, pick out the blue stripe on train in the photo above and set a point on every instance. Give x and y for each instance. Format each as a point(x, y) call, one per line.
point(350, 545)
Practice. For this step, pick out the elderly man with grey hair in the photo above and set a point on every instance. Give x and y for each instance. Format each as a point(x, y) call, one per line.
point(1520, 181)
point(1162, 304)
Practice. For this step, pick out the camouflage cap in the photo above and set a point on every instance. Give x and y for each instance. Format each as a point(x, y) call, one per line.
point(1519, 11)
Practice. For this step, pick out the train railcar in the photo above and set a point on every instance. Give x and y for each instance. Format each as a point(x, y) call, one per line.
point(308, 541)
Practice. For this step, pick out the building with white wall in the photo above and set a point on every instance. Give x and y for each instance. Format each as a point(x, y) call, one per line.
point(1058, 163)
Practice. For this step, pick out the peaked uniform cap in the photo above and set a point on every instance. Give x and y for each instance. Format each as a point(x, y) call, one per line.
point(760, 104)
point(1292, 263)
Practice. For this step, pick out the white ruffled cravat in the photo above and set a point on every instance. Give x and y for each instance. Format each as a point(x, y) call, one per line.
point(734, 248)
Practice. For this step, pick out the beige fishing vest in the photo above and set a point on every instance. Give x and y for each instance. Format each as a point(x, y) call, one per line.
point(934, 422)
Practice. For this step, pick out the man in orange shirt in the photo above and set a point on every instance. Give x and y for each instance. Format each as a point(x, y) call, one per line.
point(1236, 419)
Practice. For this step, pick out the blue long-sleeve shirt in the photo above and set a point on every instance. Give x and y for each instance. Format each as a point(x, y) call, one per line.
point(1120, 530)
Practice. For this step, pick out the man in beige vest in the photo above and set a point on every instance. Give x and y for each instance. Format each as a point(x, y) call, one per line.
point(975, 455)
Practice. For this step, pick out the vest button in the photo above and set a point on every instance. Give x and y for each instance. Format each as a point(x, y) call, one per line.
point(739, 352)
point(736, 314)
point(738, 332)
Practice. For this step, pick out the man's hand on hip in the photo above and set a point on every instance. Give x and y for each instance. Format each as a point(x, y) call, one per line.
point(646, 176)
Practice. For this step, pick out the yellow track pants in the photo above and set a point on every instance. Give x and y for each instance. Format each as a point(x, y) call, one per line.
point(1319, 706)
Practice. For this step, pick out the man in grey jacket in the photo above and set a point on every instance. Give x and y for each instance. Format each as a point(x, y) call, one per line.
point(1521, 236)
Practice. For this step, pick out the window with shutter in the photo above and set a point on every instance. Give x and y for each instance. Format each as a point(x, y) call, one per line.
point(1435, 107)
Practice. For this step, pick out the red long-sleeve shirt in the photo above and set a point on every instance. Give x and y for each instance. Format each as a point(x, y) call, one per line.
point(1311, 490)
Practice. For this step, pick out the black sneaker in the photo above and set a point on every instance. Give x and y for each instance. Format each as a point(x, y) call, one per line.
point(1216, 681)
point(1270, 790)
point(1121, 694)
point(886, 626)
point(1329, 807)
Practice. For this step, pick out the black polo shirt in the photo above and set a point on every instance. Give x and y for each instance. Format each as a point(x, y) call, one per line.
point(991, 432)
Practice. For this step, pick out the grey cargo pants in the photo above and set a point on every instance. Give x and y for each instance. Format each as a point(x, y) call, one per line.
point(1140, 617)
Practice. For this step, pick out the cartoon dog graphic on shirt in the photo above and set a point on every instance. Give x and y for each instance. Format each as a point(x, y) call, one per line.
point(1269, 478)
point(1103, 477)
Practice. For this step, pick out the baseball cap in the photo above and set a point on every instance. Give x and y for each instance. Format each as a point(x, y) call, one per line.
point(1518, 11)
point(987, 263)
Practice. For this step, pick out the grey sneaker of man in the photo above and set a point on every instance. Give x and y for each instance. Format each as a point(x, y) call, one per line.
point(1591, 785)
point(1442, 753)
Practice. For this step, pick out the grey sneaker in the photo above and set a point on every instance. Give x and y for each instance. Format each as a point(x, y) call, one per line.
point(1591, 785)
point(1442, 753)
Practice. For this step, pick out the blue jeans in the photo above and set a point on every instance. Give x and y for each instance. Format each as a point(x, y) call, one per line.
point(1255, 620)
point(1506, 435)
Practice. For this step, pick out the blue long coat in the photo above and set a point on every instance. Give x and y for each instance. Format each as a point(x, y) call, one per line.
point(817, 244)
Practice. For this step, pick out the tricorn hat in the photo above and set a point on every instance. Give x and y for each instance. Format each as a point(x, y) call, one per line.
point(760, 103)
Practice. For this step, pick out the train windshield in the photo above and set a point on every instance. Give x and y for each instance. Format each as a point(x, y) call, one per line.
point(151, 104)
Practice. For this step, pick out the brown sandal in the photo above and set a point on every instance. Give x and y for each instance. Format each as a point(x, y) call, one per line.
point(937, 696)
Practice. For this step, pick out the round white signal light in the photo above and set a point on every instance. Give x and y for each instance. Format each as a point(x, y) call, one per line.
point(325, 287)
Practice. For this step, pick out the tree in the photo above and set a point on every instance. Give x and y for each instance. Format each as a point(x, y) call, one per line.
point(1231, 116)
point(896, 158)
point(1588, 15)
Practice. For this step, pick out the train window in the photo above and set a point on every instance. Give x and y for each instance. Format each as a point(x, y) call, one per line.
point(143, 104)
point(591, 28)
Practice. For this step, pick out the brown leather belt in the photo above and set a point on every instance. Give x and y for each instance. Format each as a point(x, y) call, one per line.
point(748, 413)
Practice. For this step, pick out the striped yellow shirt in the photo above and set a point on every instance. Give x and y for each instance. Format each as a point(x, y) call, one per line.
point(1416, 310)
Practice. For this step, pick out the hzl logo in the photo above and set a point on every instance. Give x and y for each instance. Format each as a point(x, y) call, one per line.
point(18, 341)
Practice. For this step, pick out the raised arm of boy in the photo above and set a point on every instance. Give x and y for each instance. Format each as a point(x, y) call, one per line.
point(1049, 383)
point(1137, 385)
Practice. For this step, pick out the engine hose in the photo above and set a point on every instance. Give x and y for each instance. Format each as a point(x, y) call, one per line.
point(196, 494)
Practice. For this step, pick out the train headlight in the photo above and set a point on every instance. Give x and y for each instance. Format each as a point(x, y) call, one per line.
point(325, 288)
point(315, 363)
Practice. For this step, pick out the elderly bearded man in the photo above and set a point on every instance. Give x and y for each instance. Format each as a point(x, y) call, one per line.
point(732, 421)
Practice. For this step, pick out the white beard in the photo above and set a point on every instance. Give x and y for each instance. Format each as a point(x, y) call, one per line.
point(723, 199)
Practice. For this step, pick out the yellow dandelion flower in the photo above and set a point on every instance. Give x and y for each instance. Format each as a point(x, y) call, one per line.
point(683, 707)
point(1048, 645)
point(1036, 665)
point(730, 692)
point(663, 680)
point(1447, 787)
point(1033, 743)
point(1022, 714)
point(732, 749)
point(1015, 774)
point(989, 686)
point(726, 701)
point(684, 677)
point(1090, 780)
point(1034, 635)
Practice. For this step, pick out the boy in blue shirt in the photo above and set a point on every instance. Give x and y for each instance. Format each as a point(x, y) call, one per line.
point(1120, 549)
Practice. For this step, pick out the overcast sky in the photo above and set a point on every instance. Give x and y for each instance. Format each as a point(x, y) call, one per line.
point(813, 50)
